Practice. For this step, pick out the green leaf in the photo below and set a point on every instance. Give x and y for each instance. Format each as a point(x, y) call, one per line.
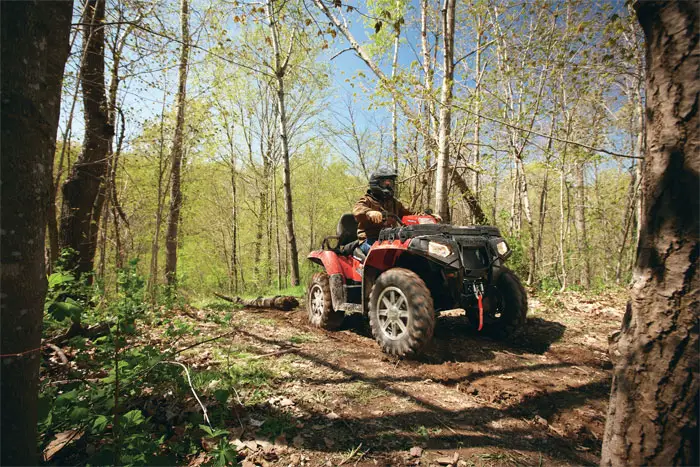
point(79, 414)
point(221, 395)
point(100, 423)
point(62, 310)
point(59, 278)
point(133, 418)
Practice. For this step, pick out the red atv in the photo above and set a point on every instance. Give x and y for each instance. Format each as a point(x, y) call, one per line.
point(415, 269)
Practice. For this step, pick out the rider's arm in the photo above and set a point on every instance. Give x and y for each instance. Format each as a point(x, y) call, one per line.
point(360, 210)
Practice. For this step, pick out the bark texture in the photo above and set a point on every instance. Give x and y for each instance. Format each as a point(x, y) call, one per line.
point(443, 161)
point(82, 207)
point(34, 48)
point(652, 417)
point(176, 155)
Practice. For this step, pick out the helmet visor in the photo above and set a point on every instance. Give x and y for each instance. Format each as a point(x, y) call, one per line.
point(387, 183)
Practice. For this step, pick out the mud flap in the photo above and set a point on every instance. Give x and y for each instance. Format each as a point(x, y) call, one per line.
point(338, 295)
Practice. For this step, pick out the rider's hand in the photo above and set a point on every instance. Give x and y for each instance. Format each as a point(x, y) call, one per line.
point(375, 216)
point(437, 217)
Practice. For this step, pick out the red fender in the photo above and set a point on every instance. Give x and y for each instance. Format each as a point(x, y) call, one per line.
point(347, 266)
point(383, 255)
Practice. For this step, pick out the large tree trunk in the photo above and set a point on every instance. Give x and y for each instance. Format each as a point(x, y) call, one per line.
point(443, 162)
point(82, 205)
point(653, 411)
point(34, 42)
point(177, 152)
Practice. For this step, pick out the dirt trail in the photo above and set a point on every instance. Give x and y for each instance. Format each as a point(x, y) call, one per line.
point(540, 400)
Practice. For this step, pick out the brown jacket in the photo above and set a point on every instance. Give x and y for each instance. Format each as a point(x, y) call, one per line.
point(365, 227)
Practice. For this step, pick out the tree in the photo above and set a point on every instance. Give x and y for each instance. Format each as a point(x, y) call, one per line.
point(652, 416)
point(82, 206)
point(443, 160)
point(176, 155)
point(34, 41)
point(280, 64)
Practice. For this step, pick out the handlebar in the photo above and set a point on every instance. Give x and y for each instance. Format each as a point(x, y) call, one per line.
point(387, 215)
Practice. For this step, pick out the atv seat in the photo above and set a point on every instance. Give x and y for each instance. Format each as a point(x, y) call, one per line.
point(346, 234)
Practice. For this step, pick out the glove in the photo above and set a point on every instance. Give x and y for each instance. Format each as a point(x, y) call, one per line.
point(437, 217)
point(375, 216)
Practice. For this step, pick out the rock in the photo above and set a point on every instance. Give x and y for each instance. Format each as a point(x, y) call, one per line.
point(298, 441)
point(332, 416)
point(328, 442)
point(284, 402)
point(444, 460)
point(247, 463)
point(295, 459)
point(416, 451)
point(252, 445)
point(540, 421)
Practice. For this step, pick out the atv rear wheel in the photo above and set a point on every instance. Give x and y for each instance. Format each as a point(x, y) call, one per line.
point(505, 307)
point(319, 304)
point(401, 312)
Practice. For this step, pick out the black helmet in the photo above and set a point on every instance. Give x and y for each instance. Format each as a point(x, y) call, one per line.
point(381, 183)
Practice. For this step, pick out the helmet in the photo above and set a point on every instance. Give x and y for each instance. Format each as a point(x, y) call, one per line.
point(381, 183)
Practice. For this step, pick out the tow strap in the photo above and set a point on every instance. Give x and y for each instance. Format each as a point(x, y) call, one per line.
point(479, 292)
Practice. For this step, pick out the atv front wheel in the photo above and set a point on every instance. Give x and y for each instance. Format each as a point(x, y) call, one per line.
point(505, 307)
point(319, 304)
point(401, 312)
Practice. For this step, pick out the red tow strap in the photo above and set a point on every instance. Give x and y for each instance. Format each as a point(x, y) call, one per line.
point(481, 311)
point(479, 292)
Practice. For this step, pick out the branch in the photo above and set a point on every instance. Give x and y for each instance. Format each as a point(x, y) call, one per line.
point(561, 140)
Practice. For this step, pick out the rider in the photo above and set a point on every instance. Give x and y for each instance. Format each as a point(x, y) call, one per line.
point(368, 210)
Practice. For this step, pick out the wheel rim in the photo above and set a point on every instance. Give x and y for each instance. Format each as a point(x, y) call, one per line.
point(392, 313)
point(316, 295)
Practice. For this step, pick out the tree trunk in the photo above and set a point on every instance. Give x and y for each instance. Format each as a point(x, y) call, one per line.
point(394, 105)
point(171, 239)
point(653, 410)
point(34, 41)
point(477, 213)
point(443, 162)
point(155, 243)
point(82, 205)
point(580, 219)
point(280, 69)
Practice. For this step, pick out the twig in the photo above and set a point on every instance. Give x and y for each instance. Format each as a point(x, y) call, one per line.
point(204, 342)
point(187, 372)
point(359, 458)
point(352, 454)
point(445, 425)
point(59, 352)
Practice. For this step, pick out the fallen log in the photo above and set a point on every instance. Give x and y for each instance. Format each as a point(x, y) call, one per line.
point(278, 302)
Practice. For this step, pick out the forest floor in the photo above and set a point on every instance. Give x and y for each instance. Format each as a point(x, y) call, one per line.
point(332, 398)
point(281, 393)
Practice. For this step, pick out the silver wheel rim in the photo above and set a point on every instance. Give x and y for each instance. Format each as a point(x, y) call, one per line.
point(392, 313)
point(316, 303)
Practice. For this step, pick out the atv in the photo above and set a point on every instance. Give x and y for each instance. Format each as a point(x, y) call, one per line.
point(416, 269)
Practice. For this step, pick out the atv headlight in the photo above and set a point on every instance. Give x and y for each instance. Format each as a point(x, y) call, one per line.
point(438, 249)
point(502, 248)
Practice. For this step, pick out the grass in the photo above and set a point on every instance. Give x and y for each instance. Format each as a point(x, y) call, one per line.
point(363, 392)
point(302, 338)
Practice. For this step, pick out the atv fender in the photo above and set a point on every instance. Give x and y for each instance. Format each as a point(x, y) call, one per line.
point(336, 264)
point(382, 256)
point(338, 268)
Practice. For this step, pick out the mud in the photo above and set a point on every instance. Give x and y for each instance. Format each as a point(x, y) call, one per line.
point(468, 400)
